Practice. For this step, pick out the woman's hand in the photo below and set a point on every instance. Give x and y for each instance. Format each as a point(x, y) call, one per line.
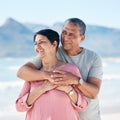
point(36, 93)
point(70, 91)
point(46, 86)
point(65, 89)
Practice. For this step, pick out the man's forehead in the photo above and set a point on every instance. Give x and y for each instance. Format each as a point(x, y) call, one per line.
point(70, 28)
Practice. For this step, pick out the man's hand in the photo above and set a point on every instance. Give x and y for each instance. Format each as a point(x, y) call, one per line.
point(48, 76)
point(64, 78)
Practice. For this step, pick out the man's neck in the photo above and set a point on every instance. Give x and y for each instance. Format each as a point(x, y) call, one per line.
point(74, 51)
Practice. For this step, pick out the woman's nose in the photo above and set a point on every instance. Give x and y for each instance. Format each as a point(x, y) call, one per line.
point(38, 45)
point(37, 48)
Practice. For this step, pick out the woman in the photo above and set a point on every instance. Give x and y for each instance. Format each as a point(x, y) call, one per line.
point(44, 100)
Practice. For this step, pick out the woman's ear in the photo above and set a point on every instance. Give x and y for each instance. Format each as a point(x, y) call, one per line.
point(55, 43)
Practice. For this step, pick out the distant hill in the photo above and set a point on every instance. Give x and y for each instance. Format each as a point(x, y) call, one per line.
point(16, 39)
point(103, 40)
point(35, 27)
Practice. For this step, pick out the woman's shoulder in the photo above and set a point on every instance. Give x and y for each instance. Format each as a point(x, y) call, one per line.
point(69, 67)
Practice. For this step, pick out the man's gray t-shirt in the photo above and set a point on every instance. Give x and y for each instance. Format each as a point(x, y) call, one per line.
point(90, 65)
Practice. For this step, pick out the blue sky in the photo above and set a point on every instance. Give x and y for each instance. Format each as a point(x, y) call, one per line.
point(98, 12)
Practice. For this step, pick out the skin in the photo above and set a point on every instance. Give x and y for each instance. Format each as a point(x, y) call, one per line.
point(47, 53)
point(71, 39)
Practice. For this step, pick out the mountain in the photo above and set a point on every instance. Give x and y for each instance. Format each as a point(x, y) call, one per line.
point(35, 27)
point(103, 40)
point(16, 39)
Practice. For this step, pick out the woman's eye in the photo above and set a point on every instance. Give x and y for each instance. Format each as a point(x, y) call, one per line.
point(37, 43)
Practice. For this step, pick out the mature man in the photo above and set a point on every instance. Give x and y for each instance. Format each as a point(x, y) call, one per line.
point(88, 62)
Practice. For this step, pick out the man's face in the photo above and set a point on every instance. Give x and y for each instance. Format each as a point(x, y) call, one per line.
point(70, 36)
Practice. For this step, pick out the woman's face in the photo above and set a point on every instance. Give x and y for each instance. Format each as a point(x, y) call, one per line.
point(43, 46)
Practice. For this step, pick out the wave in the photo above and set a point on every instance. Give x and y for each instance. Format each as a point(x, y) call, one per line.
point(18, 83)
point(112, 59)
point(111, 76)
point(15, 67)
point(12, 84)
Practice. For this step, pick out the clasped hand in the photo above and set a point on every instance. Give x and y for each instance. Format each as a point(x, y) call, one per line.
point(47, 86)
point(59, 77)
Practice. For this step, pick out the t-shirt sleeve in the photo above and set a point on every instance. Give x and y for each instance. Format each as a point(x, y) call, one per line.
point(36, 61)
point(96, 69)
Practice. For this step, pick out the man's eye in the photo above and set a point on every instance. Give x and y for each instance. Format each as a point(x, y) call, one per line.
point(72, 35)
point(64, 32)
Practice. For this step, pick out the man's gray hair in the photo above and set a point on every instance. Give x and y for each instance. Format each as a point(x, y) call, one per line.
point(79, 23)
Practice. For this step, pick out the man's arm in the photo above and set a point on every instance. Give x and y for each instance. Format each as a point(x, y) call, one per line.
point(90, 88)
point(29, 72)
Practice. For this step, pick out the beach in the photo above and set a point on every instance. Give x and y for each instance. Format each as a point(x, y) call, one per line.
point(10, 87)
point(110, 116)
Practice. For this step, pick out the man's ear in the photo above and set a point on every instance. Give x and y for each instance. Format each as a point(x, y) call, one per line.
point(82, 37)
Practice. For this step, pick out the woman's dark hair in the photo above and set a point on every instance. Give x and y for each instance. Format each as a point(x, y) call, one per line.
point(50, 34)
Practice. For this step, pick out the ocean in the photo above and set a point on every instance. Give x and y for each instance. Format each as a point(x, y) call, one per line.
point(10, 87)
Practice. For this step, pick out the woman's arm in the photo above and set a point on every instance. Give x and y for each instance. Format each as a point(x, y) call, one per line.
point(35, 94)
point(69, 90)
point(79, 101)
point(21, 105)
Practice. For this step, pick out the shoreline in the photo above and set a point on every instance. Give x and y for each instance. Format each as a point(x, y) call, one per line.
point(110, 116)
point(105, 116)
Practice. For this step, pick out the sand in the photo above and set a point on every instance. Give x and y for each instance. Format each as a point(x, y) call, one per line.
point(111, 116)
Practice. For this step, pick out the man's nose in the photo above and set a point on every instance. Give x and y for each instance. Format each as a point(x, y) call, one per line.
point(66, 37)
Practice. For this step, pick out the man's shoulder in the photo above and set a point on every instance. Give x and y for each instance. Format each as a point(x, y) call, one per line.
point(90, 52)
point(61, 51)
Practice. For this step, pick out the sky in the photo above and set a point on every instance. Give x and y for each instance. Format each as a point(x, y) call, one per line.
point(94, 12)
